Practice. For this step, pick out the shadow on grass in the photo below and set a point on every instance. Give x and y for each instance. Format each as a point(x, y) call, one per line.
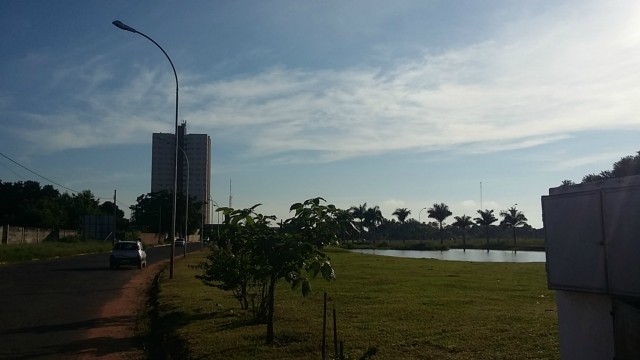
point(160, 339)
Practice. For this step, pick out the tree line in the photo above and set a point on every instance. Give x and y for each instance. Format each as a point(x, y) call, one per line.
point(28, 204)
point(31, 205)
point(370, 225)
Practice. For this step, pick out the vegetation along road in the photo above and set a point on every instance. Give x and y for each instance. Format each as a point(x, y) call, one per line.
point(47, 307)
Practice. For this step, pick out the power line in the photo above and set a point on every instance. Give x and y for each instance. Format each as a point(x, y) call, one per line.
point(44, 177)
point(13, 171)
point(35, 173)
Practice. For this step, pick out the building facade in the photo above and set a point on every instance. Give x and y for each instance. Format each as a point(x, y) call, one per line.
point(194, 165)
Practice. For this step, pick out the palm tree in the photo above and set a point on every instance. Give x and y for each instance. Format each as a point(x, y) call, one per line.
point(463, 222)
point(439, 212)
point(486, 219)
point(402, 214)
point(513, 218)
point(346, 226)
point(359, 212)
point(373, 217)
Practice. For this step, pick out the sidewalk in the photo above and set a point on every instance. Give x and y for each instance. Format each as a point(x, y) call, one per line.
point(114, 338)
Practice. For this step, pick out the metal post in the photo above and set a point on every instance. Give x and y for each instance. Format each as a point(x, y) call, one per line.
point(122, 26)
point(115, 217)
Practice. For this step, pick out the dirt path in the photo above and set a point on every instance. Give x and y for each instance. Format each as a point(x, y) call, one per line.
point(114, 338)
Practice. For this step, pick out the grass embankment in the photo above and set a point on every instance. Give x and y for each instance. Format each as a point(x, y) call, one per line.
point(406, 308)
point(50, 249)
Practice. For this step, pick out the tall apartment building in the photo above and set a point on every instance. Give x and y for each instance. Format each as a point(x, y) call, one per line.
point(197, 148)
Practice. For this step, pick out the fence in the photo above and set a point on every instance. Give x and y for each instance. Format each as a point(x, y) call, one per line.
point(26, 235)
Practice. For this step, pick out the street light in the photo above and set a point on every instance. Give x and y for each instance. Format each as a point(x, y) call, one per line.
point(213, 202)
point(419, 222)
point(122, 26)
point(420, 213)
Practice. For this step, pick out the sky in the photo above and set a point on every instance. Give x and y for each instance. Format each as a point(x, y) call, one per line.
point(400, 104)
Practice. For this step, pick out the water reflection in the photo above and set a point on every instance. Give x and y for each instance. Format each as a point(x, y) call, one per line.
point(475, 255)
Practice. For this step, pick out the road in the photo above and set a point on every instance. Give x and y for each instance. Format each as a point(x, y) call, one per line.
point(47, 306)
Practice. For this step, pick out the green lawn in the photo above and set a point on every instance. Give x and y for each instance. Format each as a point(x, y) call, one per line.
point(406, 308)
point(50, 249)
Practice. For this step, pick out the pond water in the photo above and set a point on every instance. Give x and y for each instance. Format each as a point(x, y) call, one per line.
point(476, 255)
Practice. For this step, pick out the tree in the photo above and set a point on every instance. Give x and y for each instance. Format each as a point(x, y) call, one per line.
point(78, 205)
point(626, 166)
point(258, 255)
point(595, 177)
point(463, 222)
point(347, 228)
point(439, 212)
point(402, 214)
point(373, 218)
point(107, 208)
point(485, 219)
point(153, 212)
point(513, 218)
point(359, 212)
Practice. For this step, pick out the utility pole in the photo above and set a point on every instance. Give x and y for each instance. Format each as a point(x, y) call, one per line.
point(481, 196)
point(115, 217)
point(230, 197)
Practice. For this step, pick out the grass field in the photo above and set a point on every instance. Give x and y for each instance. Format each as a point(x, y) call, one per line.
point(48, 250)
point(405, 308)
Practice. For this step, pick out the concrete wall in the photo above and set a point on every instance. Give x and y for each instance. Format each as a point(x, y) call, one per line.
point(152, 239)
point(26, 235)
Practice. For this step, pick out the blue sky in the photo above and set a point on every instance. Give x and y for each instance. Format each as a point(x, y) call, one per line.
point(392, 103)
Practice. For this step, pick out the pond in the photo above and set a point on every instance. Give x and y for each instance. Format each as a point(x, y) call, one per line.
point(475, 255)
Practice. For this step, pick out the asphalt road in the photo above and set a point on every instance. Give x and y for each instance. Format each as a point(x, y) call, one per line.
point(47, 306)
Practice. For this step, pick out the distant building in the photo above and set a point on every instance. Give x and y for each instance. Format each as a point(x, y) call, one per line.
point(197, 148)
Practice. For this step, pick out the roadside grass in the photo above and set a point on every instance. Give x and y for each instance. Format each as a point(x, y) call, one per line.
point(50, 249)
point(405, 308)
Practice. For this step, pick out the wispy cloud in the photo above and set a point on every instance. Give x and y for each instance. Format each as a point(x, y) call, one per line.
point(565, 72)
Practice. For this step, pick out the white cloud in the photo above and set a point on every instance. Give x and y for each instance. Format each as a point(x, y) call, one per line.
point(577, 162)
point(390, 205)
point(545, 78)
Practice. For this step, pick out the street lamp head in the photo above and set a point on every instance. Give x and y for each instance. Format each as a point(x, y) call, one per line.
point(122, 26)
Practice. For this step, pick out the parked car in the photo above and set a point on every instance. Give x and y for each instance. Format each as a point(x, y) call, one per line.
point(128, 253)
point(180, 242)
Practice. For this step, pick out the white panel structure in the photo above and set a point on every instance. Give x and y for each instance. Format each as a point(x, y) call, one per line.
point(593, 260)
point(585, 326)
point(622, 231)
point(574, 242)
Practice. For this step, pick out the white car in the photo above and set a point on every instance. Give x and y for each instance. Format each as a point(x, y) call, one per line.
point(128, 253)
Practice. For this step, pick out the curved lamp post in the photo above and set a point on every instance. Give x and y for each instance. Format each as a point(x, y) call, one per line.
point(218, 224)
point(420, 213)
point(122, 26)
point(419, 222)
